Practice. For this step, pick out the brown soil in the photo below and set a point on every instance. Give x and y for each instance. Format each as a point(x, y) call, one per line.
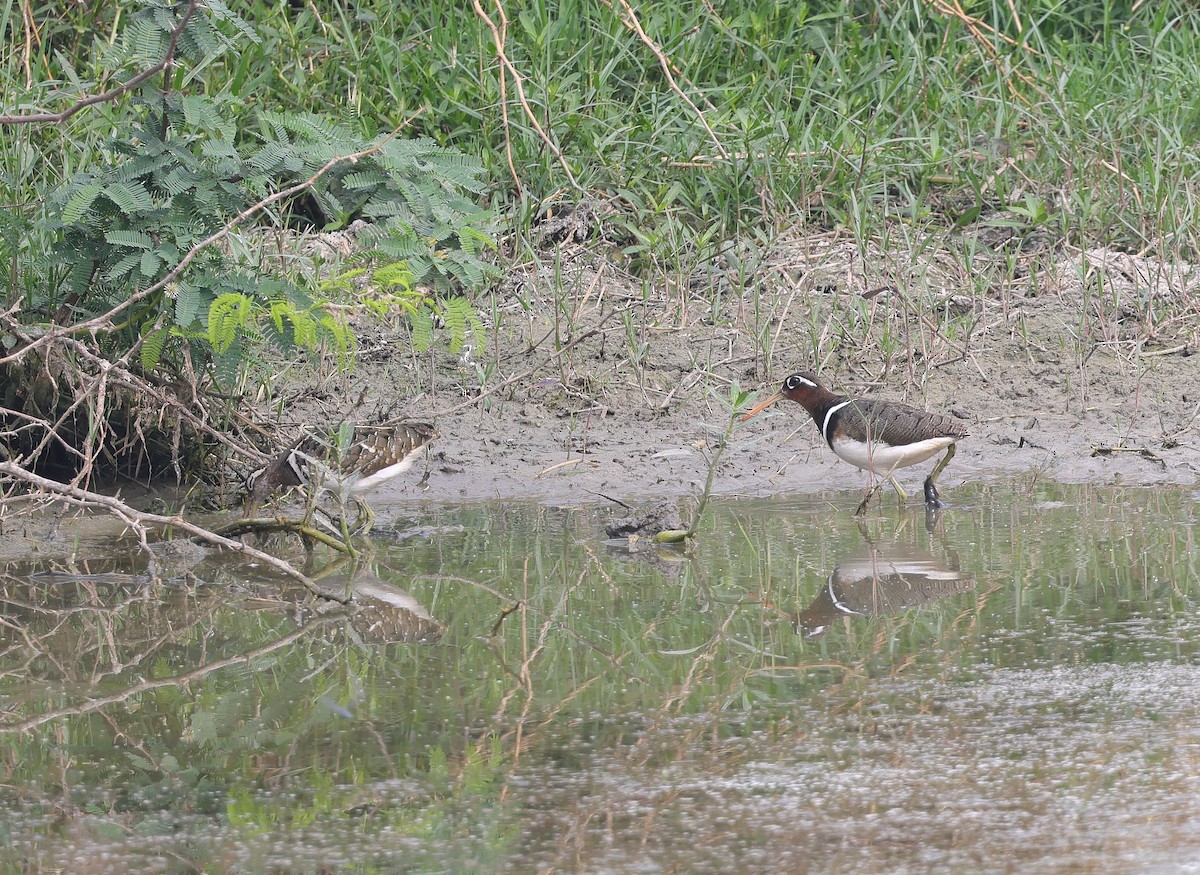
point(1073, 367)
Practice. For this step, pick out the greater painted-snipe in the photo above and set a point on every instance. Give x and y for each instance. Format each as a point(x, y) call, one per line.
point(877, 436)
point(348, 464)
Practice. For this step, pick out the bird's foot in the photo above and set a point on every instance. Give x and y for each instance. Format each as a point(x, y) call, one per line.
point(933, 516)
point(933, 501)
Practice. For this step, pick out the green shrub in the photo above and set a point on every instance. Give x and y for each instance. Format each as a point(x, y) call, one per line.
point(184, 165)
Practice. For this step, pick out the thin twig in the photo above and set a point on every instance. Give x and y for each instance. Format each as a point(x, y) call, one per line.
point(142, 386)
point(629, 19)
point(181, 680)
point(712, 473)
point(979, 30)
point(505, 122)
point(114, 93)
point(498, 38)
point(140, 519)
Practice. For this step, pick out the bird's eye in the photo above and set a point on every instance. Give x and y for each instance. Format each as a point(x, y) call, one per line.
point(793, 382)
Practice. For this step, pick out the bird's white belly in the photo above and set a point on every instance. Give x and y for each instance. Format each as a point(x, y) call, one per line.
point(363, 485)
point(882, 458)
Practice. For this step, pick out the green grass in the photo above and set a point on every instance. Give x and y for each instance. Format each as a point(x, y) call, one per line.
point(843, 115)
point(1060, 125)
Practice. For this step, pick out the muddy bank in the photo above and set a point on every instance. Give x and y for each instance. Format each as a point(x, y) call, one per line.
point(626, 455)
point(591, 383)
point(597, 384)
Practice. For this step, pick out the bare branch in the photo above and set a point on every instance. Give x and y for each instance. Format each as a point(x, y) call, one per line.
point(114, 93)
point(983, 33)
point(498, 37)
point(140, 519)
point(180, 680)
point(629, 19)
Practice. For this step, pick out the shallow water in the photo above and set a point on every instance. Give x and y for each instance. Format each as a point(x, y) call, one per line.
point(1013, 690)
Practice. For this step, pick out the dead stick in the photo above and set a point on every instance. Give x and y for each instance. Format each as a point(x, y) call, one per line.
point(103, 322)
point(139, 518)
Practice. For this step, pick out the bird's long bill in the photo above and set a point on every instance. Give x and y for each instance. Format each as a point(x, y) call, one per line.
point(250, 507)
point(759, 408)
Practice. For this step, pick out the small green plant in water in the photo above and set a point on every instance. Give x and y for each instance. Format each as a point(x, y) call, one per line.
point(737, 400)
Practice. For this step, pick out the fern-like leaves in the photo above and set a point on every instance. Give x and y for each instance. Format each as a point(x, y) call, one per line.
point(184, 163)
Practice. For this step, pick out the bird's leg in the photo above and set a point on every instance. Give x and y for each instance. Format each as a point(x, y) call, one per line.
point(932, 499)
point(899, 489)
point(366, 517)
point(950, 451)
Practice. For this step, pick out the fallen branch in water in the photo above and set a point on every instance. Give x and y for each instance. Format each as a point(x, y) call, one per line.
point(140, 520)
point(266, 525)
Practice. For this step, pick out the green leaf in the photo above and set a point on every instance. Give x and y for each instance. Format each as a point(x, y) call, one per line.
point(365, 179)
point(474, 241)
point(304, 328)
point(129, 197)
point(136, 239)
point(150, 264)
point(422, 329)
point(672, 536)
point(277, 312)
point(187, 304)
point(227, 364)
point(204, 728)
point(199, 112)
point(454, 312)
point(123, 268)
point(80, 203)
point(396, 274)
point(152, 348)
point(269, 156)
point(227, 316)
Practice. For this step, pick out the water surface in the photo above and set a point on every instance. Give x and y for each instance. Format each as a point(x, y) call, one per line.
point(1010, 687)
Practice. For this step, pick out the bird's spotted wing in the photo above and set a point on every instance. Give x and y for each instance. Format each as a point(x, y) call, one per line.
point(896, 424)
point(379, 447)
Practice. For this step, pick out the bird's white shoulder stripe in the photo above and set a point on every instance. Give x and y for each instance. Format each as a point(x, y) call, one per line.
point(296, 461)
point(829, 415)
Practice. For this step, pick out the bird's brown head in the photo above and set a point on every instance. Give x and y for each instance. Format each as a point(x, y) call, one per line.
point(257, 490)
point(276, 474)
point(801, 387)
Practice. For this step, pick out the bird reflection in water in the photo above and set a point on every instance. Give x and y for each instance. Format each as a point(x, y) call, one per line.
point(378, 613)
point(886, 578)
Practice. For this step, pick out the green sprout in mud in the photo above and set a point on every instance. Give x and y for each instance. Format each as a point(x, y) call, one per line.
point(737, 400)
